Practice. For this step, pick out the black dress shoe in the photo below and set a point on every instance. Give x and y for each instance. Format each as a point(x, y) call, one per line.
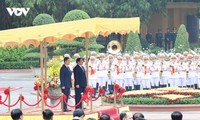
point(67, 110)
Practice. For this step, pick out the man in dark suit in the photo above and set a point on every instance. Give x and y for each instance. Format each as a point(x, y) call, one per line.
point(159, 37)
point(80, 81)
point(167, 40)
point(65, 79)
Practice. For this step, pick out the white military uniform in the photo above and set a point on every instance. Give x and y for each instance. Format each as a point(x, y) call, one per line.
point(110, 72)
point(119, 78)
point(128, 75)
point(173, 77)
point(102, 73)
point(137, 73)
point(146, 78)
point(154, 74)
point(190, 73)
point(181, 74)
point(164, 73)
point(92, 74)
point(198, 73)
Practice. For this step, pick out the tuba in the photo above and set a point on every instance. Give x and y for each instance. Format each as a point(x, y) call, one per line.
point(114, 47)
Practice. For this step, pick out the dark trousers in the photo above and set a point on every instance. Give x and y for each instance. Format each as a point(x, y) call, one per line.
point(78, 92)
point(159, 42)
point(66, 91)
point(167, 45)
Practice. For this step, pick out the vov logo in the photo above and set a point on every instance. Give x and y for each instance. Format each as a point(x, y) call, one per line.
point(18, 11)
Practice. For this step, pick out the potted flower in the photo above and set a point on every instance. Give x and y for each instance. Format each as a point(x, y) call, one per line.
point(53, 82)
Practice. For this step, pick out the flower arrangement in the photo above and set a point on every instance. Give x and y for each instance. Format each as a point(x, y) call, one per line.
point(172, 97)
point(171, 94)
point(53, 73)
point(53, 80)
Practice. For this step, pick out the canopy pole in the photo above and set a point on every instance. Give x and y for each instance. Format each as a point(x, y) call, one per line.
point(86, 50)
point(86, 61)
point(41, 76)
point(45, 63)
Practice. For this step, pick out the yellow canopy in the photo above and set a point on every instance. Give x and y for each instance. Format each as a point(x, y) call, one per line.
point(67, 30)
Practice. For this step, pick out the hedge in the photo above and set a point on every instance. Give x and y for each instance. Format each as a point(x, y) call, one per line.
point(19, 65)
point(154, 101)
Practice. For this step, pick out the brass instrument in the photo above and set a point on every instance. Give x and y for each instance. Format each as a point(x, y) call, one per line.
point(135, 72)
point(109, 71)
point(161, 71)
point(187, 72)
point(114, 47)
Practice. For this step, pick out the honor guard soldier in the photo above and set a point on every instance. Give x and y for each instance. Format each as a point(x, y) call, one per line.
point(67, 55)
point(111, 73)
point(146, 78)
point(190, 71)
point(101, 71)
point(197, 58)
point(181, 72)
point(137, 72)
point(154, 71)
point(164, 70)
point(93, 53)
point(119, 70)
point(196, 62)
point(128, 73)
point(173, 79)
point(76, 55)
point(92, 74)
point(185, 53)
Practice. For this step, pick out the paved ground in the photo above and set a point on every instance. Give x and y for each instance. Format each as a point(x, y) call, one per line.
point(25, 78)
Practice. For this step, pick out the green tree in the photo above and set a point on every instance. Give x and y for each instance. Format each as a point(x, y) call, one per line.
point(75, 15)
point(133, 43)
point(42, 19)
point(181, 43)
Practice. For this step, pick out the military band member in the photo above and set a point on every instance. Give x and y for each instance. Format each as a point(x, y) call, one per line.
point(181, 72)
point(154, 71)
point(173, 67)
point(111, 73)
point(92, 74)
point(197, 72)
point(101, 71)
point(164, 70)
point(190, 71)
point(119, 69)
point(137, 72)
point(128, 73)
point(146, 78)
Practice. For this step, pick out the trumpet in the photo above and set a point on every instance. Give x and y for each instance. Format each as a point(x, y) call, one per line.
point(161, 71)
point(109, 71)
point(187, 72)
point(135, 72)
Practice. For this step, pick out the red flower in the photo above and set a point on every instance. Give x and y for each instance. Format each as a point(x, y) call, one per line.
point(122, 90)
point(101, 91)
point(117, 87)
point(46, 91)
point(6, 92)
point(35, 87)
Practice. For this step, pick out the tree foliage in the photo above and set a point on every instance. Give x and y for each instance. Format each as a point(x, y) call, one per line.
point(95, 8)
point(75, 15)
point(42, 19)
point(133, 43)
point(181, 43)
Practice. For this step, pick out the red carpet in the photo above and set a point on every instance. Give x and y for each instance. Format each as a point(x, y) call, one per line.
point(11, 89)
point(113, 112)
